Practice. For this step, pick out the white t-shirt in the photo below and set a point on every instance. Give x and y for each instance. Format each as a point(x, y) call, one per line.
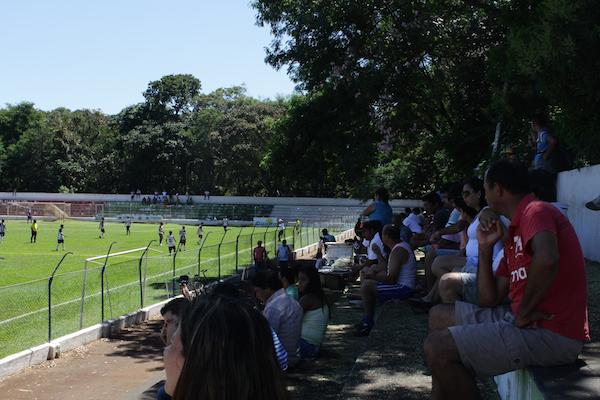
point(472, 249)
point(453, 219)
point(408, 271)
point(61, 235)
point(413, 222)
point(171, 240)
point(199, 230)
point(369, 245)
point(225, 222)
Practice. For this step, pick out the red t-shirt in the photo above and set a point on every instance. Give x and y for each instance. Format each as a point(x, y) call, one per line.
point(566, 299)
point(259, 254)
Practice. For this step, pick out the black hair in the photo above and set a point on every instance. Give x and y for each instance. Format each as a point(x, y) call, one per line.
point(289, 274)
point(392, 231)
point(324, 231)
point(512, 176)
point(314, 283)
point(177, 306)
point(453, 190)
point(267, 280)
point(383, 194)
point(433, 198)
point(477, 185)
point(416, 210)
point(543, 185)
point(540, 118)
point(373, 225)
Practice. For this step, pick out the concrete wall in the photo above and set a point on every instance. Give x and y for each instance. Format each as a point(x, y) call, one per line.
point(288, 201)
point(575, 188)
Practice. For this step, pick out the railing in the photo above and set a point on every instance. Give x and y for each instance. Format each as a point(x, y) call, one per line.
point(34, 312)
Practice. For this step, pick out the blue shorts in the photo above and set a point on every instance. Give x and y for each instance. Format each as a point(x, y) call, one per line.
point(307, 351)
point(387, 292)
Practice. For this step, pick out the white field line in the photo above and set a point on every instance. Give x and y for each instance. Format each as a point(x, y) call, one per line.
point(99, 293)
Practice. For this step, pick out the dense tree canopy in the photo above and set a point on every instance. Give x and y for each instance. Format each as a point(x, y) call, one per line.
point(406, 94)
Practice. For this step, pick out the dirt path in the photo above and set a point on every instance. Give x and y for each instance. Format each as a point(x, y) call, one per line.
point(119, 368)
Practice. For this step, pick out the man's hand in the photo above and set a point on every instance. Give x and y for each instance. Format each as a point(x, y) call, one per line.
point(435, 237)
point(185, 291)
point(486, 217)
point(489, 237)
point(376, 249)
point(523, 321)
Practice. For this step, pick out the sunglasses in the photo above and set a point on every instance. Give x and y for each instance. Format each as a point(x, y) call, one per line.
point(466, 193)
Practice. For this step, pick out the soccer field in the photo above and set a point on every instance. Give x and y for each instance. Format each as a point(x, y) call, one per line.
point(129, 279)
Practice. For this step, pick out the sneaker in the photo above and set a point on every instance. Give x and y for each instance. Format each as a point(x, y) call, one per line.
point(363, 330)
point(593, 205)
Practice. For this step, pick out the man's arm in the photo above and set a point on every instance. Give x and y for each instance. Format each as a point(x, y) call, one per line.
point(541, 275)
point(369, 210)
point(551, 147)
point(458, 227)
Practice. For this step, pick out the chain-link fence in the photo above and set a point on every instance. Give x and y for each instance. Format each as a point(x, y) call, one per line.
point(42, 310)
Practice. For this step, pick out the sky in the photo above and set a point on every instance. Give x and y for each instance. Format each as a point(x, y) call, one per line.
point(102, 54)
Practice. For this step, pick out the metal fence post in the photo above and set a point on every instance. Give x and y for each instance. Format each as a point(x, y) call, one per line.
point(140, 273)
point(174, 267)
point(237, 243)
point(219, 255)
point(200, 250)
point(50, 279)
point(102, 278)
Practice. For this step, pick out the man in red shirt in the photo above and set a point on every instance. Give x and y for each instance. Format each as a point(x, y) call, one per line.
point(543, 274)
point(260, 256)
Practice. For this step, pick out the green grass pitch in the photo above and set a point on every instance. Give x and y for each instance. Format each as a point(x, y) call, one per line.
point(76, 294)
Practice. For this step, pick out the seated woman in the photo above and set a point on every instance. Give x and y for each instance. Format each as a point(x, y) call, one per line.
point(316, 312)
point(396, 281)
point(223, 349)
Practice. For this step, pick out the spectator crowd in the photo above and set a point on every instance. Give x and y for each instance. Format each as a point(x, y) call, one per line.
point(504, 288)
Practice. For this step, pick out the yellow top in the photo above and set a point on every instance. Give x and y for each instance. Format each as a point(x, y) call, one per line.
point(34, 227)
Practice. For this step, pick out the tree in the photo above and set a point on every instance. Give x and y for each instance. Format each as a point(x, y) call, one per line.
point(173, 94)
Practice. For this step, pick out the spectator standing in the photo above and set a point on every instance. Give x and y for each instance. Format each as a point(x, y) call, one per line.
point(161, 233)
point(283, 313)
point(327, 237)
point(34, 231)
point(2, 231)
point(60, 238)
point(259, 255)
point(171, 243)
point(543, 143)
point(380, 209)
point(182, 238)
point(543, 274)
point(284, 253)
point(225, 224)
point(206, 195)
point(315, 313)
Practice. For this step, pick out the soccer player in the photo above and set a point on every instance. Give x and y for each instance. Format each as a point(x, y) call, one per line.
point(101, 226)
point(128, 226)
point(225, 224)
point(2, 231)
point(182, 238)
point(281, 231)
point(34, 231)
point(60, 238)
point(171, 242)
point(161, 233)
point(29, 216)
point(200, 233)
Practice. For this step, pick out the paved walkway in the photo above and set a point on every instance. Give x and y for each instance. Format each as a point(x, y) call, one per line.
point(120, 368)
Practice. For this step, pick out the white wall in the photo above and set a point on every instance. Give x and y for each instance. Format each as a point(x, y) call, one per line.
point(575, 188)
point(287, 201)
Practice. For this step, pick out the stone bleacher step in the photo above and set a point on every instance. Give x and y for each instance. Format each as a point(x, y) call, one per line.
point(392, 366)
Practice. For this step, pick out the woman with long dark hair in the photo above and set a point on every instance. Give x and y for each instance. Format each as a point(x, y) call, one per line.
point(316, 312)
point(223, 350)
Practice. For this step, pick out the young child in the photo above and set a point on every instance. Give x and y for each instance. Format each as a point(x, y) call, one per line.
point(60, 238)
point(171, 242)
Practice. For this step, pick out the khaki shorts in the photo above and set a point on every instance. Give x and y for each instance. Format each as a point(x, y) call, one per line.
point(490, 344)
